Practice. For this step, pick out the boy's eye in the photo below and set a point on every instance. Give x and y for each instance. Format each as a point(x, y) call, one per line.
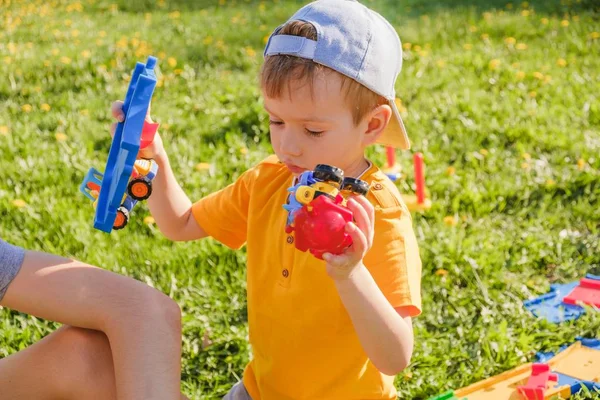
point(271, 122)
point(314, 133)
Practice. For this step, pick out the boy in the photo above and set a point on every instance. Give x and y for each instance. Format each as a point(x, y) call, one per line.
point(339, 328)
point(127, 344)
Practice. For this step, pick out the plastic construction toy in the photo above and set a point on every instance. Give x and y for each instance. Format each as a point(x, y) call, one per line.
point(562, 303)
point(126, 179)
point(418, 201)
point(563, 374)
point(317, 210)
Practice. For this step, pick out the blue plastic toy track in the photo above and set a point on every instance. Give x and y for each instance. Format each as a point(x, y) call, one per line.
point(125, 144)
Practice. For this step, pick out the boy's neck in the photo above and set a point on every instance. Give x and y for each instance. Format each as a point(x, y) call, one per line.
point(358, 168)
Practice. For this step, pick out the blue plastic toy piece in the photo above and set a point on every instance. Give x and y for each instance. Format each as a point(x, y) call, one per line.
point(125, 145)
point(92, 181)
point(551, 307)
point(293, 205)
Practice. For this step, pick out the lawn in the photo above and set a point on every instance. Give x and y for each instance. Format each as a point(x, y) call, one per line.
point(501, 98)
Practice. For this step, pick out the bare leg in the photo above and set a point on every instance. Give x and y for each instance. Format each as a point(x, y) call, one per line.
point(143, 326)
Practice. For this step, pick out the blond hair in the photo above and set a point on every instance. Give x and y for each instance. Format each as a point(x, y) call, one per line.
point(278, 70)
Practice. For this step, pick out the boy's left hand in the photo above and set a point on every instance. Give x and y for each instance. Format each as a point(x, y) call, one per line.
point(340, 267)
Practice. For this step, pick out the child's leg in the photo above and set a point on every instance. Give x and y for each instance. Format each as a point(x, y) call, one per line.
point(71, 363)
point(143, 326)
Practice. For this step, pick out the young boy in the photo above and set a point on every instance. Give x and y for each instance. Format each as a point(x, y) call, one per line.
point(127, 343)
point(339, 328)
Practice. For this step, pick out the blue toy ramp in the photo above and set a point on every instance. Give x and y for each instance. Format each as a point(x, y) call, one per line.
point(125, 145)
point(551, 307)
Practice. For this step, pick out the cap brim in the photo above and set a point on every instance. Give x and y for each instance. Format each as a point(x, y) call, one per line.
point(395, 133)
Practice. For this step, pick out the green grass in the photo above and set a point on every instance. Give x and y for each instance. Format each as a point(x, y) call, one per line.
point(517, 120)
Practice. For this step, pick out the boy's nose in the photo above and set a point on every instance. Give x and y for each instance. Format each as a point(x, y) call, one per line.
point(289, 144)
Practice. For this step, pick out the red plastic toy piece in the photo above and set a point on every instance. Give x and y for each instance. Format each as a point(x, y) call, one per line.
point(148, 131)
point(536, 384)
point(320, 227)
point(391, 156)
point(588, 292)
point(419, 177)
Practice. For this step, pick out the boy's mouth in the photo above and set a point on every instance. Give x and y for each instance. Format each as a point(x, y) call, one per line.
point(294, 169)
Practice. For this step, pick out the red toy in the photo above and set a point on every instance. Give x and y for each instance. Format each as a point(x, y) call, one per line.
point(588, 292)
point(317, 211)
point(536, 384)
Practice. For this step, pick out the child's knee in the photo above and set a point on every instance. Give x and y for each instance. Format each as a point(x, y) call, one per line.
point(167, 310)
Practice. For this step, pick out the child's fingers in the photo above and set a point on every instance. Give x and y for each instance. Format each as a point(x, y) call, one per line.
point(117, 111)
point(362, 200)
point(360, 215)
point(113, 128)
point(359, 239)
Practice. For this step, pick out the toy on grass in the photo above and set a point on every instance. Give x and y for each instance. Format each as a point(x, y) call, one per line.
point(564, 374)
point(126, 179)
point(562, 302)
point(418, 201)
point(317, 212)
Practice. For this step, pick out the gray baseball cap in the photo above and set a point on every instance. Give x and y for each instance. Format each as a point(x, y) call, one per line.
point(354, 41)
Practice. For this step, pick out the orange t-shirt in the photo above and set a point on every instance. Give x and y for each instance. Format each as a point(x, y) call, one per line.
point(303, 341)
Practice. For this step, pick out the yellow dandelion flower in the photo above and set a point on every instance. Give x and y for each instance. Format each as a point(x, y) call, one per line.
point(202, 166)
point(86, 54)
point(532, 94)
point(473, 28)
point(526, 156)
point(417, 48)
point(440, 272)
point(54, 51)
point(46, 63)
point(208, 40)
point(7, 60)
point(68, 22)
point(244, 150)
point(250, 51)
point(521, 46)
point(84, 112)
point(178, 71)
point(172, 62)
point(175, 15)
point(544, 21)
point(26, 108)
point(266, 39)
point(45, 107)
point(483, 152)
point(538, 75)
point(450, 171)
point(561, 62)
point(547, 78)
point(485, 36)
point(149, 220)
point(99, 42)
point(19, 203)
point(262, 28)
point(467, 46)
point(494, 64)
point(450, 220)
point(4, 130)
point(407, 46)
point(525, 13)
point(581, 164)
point(594, 35)
point(65, 60)
point(520, 75)
point(60, 137)
point(487, 15)
point(564, 23)
point(441, 63)
point(550, 182)
point(525, 165)
point(510, 40)
point(102, 33)
point(515, 65)
point(75, 33)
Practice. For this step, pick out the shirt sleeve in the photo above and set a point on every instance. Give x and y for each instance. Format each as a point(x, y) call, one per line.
point(394, 260)
point(224, 214)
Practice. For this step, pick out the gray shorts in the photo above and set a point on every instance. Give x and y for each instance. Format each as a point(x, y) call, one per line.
point(11, 258)
point(238, 392)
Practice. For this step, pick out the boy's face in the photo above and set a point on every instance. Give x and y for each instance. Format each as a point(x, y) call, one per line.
point(309, 130)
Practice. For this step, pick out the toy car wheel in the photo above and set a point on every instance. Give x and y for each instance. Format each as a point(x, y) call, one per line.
point(122, 218)
point(328, 173)
point(139, 189)
point(356, 186)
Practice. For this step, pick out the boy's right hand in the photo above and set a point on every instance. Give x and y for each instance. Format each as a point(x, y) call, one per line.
point(154, 149)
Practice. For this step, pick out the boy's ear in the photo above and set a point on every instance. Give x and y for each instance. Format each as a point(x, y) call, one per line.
point(377, 121)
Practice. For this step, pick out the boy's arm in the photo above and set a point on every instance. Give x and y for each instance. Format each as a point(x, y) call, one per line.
point(385, 333)
point(170, 206)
